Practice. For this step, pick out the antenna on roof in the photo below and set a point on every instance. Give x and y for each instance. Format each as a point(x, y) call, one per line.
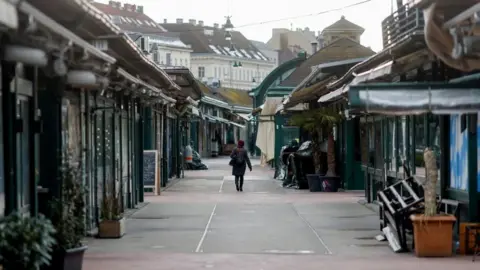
point(291, 26)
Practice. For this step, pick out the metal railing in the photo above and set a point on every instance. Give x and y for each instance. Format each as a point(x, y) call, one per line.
point(406, 21)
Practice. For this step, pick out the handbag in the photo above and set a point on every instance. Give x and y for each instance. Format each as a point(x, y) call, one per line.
point(232, 160)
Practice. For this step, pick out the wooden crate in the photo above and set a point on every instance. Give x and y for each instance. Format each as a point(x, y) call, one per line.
point(463, 237)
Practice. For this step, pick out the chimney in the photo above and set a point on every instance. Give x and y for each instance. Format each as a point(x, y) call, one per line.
point(111, 3)
point(200, 23)
point(165, 21)
point(118, 4)
point(140, 9)
point(134, 8)
point(192, 21)
point(314, 46)
point(283, 41)
point(179, 21)
point(127, 7)
point(215, 25)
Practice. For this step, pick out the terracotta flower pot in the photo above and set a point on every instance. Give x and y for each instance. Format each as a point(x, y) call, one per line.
point(433, 235)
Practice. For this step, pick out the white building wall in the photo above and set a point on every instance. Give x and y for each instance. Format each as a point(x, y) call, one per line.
point(231, 77)
point(178, 57)
point(272, 55)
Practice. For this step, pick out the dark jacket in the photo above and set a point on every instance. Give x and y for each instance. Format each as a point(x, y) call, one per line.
point(240, 169)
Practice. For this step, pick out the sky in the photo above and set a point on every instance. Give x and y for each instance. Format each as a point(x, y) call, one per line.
point(257, 14)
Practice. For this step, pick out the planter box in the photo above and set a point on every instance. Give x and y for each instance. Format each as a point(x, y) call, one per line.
point(70, 259)
point(112, 228)
point(433, 235)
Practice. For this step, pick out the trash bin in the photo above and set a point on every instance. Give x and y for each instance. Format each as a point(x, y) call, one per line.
point(314, 182)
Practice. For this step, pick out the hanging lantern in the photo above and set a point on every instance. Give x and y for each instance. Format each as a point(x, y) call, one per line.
point(239, 64)
point(232, 47)
point(228, 36)
point(228, 25)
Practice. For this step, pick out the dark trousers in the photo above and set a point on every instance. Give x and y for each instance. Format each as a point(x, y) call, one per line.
point(239, 178)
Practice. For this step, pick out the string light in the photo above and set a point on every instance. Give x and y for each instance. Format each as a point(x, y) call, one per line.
point(282, 19)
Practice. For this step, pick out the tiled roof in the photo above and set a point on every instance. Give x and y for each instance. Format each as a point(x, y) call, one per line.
point(343, 25)
point(206, 39)
point(260, 45)
point(129, 18)
point(236, 97)
point(205, 89)
point(341, 49)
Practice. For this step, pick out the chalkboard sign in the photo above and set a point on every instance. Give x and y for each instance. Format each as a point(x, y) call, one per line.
point(150, 169)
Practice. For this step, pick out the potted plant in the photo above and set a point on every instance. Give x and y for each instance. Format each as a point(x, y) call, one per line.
point(432, 231)
point(320, 122)
point(25, 242)
point(68, 216)
point(113, 222)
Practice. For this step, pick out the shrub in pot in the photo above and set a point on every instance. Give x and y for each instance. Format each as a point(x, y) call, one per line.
point(68, 216)
point(113, 221)
point(25, 242)
point(433, 232)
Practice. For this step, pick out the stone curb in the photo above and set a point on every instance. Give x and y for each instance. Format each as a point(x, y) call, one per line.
point(370, 206)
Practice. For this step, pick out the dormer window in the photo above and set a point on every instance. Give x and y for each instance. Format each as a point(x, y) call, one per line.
point(208, 32)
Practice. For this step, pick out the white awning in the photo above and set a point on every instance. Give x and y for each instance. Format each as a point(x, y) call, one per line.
point(64, 32)
point(132, 78)
point(374, 73)
point(449, 41)
point(222, 120)
point(238, 125)
point(195, 111)
point(265, 140)
point(245, 116)
point(8, 14)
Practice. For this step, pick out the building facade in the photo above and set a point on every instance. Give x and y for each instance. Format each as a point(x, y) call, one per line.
point(297, 41)
point(215, 61)
point(163, 48)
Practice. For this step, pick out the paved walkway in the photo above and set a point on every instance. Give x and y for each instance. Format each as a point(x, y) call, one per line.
point(202, 222)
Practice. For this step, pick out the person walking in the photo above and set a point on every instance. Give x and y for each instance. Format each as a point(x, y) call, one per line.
point(239, 161)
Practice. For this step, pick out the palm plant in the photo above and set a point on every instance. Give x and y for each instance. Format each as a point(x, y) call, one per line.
point(319, 122)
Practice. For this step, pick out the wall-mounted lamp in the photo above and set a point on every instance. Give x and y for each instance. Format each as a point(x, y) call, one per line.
point(228, 35)
point(25, 55)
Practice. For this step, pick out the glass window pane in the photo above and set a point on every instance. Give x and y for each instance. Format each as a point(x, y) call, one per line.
point(23, 148)
point(109, 144)
point(402, 142)
point(371, 143)
point(420, 143)
point(98, 155)
point(391, 137)
point(2, 179)
point(379, 162)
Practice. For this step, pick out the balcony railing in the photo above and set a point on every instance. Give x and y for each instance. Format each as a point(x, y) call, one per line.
point(406, 21)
